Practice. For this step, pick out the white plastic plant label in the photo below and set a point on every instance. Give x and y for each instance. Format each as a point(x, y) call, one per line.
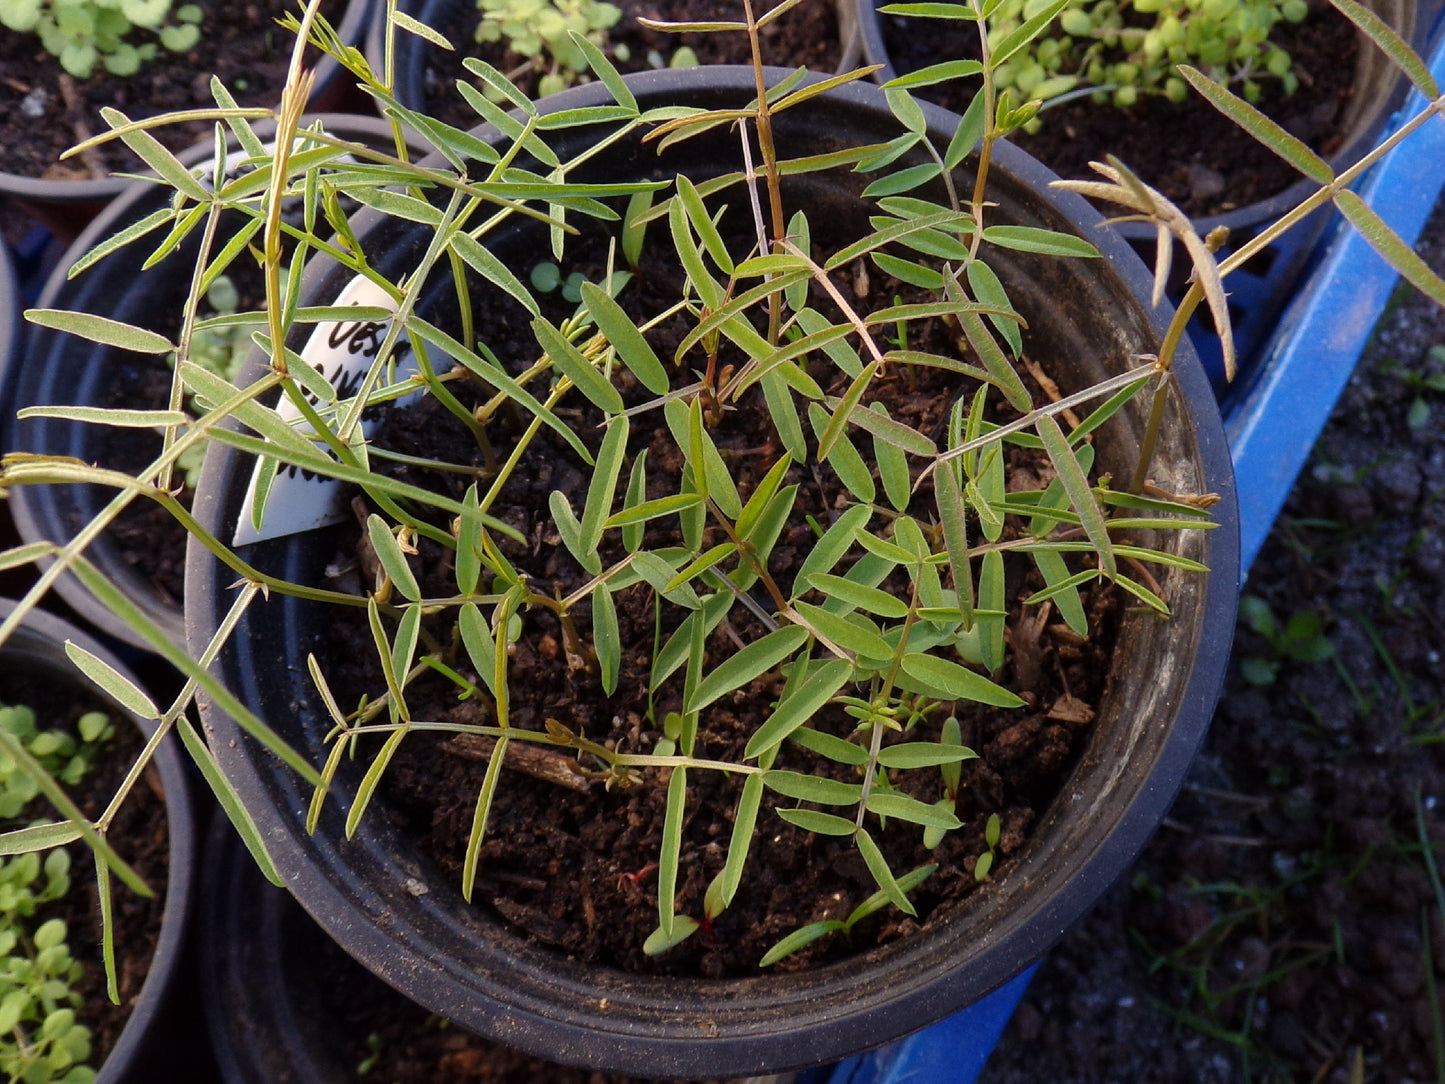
point(342, 351)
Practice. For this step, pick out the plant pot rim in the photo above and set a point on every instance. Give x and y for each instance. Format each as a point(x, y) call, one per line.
point(814, 1017)
point(36, 508)
point(96, 191)
point(42, 636)
point(1382, 107)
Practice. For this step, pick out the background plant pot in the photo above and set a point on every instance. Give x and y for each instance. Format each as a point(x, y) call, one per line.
point(1260, 289)
point(38, 647)
point(283, 1003)
point(65, 206)
point(61, 369)
point(387, 906)
point(423, 70)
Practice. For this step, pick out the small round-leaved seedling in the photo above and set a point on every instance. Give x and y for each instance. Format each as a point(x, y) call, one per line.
point(84, 33)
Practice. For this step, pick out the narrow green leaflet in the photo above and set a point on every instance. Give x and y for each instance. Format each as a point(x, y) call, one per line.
point(893, 433)
point(1292, 150)
point(598, 62)
point(605, 638)
point(825, 824)
point(799, 706)
point(702, 223)
point(1064, 594)
point(751, 662)
point(991, 601)
point(1395, 47)
point(115, 684)
point(1033, 239)
point(871, 599)
point(638, 514)
point(757, 503)
point(878, 866)
point(923, 754)
point(575, 367)
point(1081, 496)
point(831, 746)
point(892, 804)
point(149, 149)
point(632, 533)
point(998, 366)
point(720, 485)
point(101, 330)
point(967, 134)
point(1388, 244)
point(403, 21)
point(937, 73)
point(603, 487)
point(483, 810)
point(959, 682)
point(393, 560)
point(985, 284)
point(812, 788)
point(481, 260)
point(622, 333)
point(948, 495)
point(852, 632)
point(38, 837)
point(671, 853)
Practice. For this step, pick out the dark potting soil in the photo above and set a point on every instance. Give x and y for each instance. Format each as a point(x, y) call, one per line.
point(574, 865)
point(806, 36)
point(1189, 151)
point(1283, 926)
point(138, 834)
point(44, 111)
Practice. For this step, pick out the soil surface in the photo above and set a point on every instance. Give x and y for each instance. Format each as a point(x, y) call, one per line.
point(806, 36)
point(44, 111)
point(1217, 167)
point(139, 836)
point(1283, 925)
point(574, 864)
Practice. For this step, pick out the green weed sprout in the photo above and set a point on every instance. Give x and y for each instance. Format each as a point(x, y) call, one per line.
point(1300, 639)
point(1128, 48)
point(80, 33)
point(541, 31)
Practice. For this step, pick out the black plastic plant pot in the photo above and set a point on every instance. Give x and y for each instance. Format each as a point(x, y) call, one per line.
point(65, 206)
point(57, 368)
point(390, 908)
point(37, 647)
point(282, 1003)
